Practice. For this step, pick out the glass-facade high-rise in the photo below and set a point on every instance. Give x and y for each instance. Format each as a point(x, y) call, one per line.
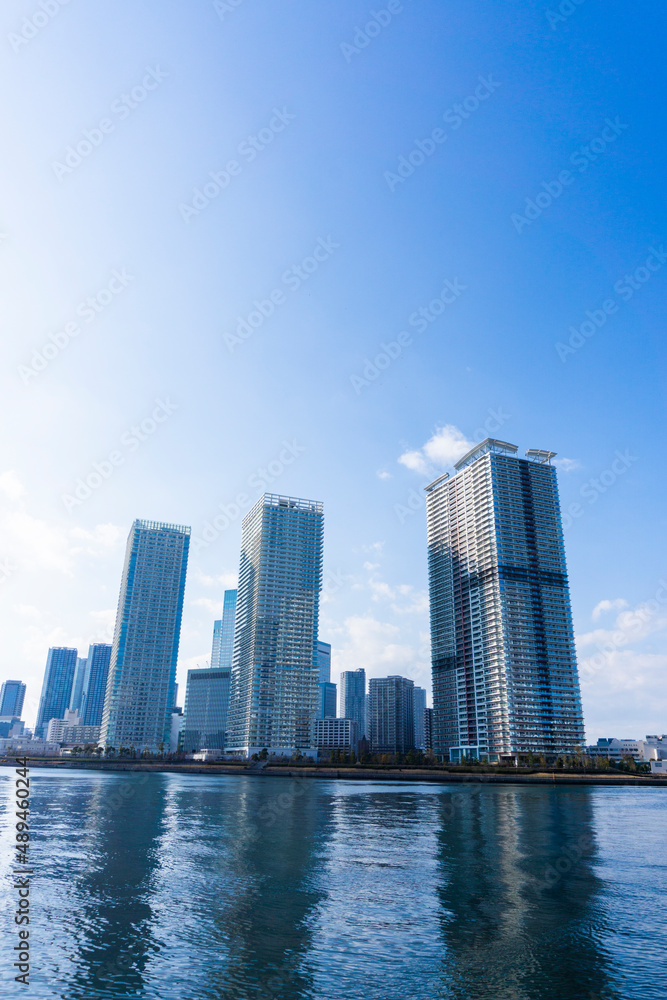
point(207, 692)
point(504, 666)
point(227, 630)
point(142, 672)
point(391, 719)
point(206, 707)
point(56, 688)
point(11, 698)
point(95, 686)
point(419, 698)
point(353, 698)
point(326, 700)
point(275, 667)
point(324, 661)
point(76, 698)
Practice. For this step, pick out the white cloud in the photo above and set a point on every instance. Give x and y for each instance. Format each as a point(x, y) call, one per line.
point(567, 464)
point(415, 461)
point(623, 689)
point(213, 607)
point(11, 485)
point(372, 644)
point(626, 695)
point(27, 610)
point(226, 580)
point(630, 626)
point(382, 474)
point(96, 542)
point(366, 641)
point(603, 606)
point(447, 446)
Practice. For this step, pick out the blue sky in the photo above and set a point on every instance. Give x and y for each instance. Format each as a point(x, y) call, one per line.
point(499, 166)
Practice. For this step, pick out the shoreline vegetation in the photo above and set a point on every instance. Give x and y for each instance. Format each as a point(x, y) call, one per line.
point(445, 774)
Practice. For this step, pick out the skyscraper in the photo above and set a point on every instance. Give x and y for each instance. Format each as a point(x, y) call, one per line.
point(504, 666)
point(95, 684)
point(227, 623)
point(142, 672)
point(11, 698)
point(391, 714)
point(206, 708)
point(75, 702)
point(207, 691)
point(56, 688)
point(353, 698)
point(419, 696)
point(326, 700)
point(324, 661)
point(275, 668)
point(428, 729)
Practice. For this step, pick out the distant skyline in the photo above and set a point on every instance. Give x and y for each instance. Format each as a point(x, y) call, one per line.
point(262, 249)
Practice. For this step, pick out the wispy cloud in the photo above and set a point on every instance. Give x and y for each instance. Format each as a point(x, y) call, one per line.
point(567, 464)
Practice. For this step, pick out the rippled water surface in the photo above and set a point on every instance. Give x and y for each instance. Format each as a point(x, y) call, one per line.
point(172, 886)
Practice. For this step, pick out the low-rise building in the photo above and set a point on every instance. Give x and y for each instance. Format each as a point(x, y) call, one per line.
point(29, 748)
point(71, 730)
point(215, 753)
point(336, 734)
point(642, 751)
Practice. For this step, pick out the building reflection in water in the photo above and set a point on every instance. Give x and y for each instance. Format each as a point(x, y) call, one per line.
point(266, 926)
point(114, 926)
point(521, 911)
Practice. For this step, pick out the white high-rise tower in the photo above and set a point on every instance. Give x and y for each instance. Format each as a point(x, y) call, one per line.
point(504, 666)
point(275, 662)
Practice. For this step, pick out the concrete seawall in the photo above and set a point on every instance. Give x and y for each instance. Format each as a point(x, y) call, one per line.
point(355, 773)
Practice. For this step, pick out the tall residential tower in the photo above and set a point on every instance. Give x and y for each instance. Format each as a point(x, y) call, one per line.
point(56, 687)
point(142, 672)
point(11, 698)
point(353, 698)
point(275, 667)
point(391, 714)
point(504, 666)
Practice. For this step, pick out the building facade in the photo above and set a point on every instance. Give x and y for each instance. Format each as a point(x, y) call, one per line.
point(353, 698)
point(71, 729)
point(56, 688)
point(76, 698)
point(142, 671)
point(336, 734)
point(12, 695)
point(505, 675)
point(95, 684)
point(419, 696)
point(207, 692)
point(275, 667)
point(428, 729)
point(206, 708)
point(326, 700)
point(643, 751)
point(391, 714)
point(223, 633)
point(324, 661)
point(11, 725)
